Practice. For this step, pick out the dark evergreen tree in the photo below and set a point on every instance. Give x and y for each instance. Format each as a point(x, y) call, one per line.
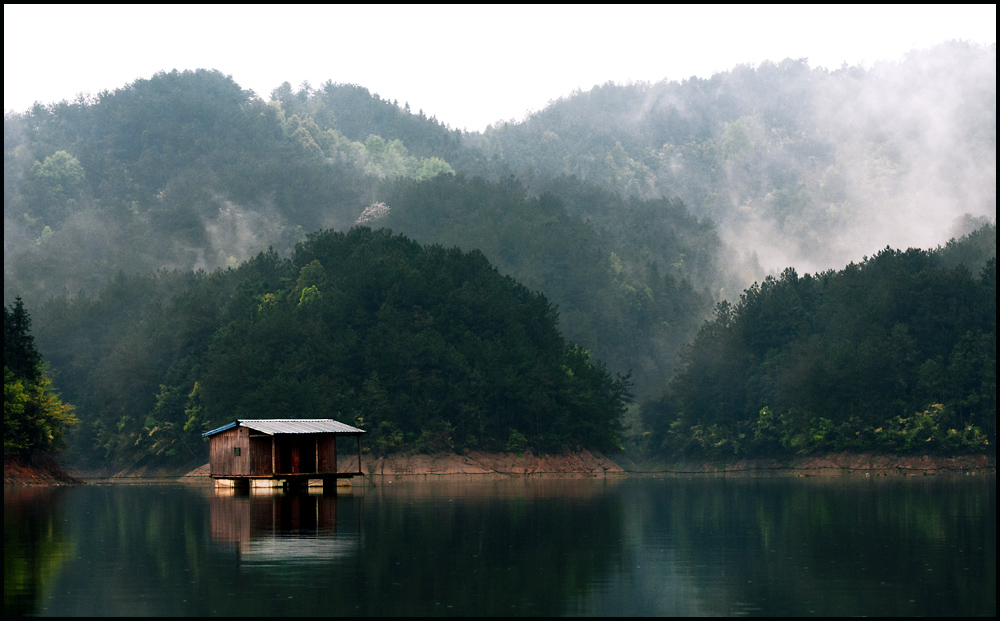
point(19, 353)
point(34, 418)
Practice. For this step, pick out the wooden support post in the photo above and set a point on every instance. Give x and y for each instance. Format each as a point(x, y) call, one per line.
point(329, 486)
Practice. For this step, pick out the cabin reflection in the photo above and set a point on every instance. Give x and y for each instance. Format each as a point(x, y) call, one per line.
point(270, 524)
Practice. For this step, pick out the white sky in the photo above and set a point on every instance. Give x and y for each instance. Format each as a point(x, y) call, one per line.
point(468, 66)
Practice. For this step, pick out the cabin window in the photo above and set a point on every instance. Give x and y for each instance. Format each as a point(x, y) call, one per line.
point(236, 451)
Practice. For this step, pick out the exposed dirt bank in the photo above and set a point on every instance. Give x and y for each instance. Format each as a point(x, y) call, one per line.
point(833, 464)
point(40, 469)
point(582, 464)
point(45, 471)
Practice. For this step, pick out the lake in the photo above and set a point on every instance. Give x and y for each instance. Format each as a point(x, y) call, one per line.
point(701, 545)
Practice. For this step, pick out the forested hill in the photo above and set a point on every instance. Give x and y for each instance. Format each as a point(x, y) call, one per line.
point(425, 348)
point(184, 170)
point(189, 171)
point(896, 353)
point(803, 165)
point(799, 165)
point(632, 208)
point(357, 113)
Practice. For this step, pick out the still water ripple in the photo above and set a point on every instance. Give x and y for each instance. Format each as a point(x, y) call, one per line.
point(639, 546)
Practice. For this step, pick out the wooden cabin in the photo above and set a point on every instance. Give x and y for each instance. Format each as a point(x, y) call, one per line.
point(261, 452)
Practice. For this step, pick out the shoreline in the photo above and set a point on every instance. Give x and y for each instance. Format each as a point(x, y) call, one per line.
point(39, 469)
point(832, 464)
point(44, 470)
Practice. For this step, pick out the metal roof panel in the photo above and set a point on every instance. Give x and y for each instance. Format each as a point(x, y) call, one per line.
point(220, 429)
point(318, 425)
point(300, 425)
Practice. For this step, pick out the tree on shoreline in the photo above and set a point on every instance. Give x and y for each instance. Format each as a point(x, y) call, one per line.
point(34, 417)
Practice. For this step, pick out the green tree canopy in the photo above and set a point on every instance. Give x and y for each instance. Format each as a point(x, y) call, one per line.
point(34, 418)
point(426, 348)
point(896, 353)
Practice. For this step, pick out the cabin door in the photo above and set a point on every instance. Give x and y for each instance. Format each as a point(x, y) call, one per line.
point(287, 454)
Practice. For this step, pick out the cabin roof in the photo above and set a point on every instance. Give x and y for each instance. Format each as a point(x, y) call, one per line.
point(300, 425)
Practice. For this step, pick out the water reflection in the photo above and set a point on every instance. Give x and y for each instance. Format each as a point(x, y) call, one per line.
point(699, 546)
point(35, 545)
point(827, 546)
point(272, 526)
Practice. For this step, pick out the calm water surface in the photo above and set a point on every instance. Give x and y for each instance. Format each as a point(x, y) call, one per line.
point(637, 546)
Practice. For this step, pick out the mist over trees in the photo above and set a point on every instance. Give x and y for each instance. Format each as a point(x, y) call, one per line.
point(633, 209)
point(804, 166)
point(184, 170)
point(218, 175)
